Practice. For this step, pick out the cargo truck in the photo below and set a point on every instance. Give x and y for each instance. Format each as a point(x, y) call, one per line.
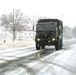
point(49, 32)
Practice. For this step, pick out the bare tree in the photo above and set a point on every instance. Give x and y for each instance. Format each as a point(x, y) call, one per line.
point(15, 22)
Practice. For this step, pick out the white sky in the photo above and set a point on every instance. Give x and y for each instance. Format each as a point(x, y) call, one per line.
point(62, 9)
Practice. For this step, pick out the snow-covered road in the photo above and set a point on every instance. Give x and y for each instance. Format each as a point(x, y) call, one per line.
point(62, 62)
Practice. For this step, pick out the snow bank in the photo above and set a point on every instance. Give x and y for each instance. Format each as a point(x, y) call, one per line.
point(16, 44)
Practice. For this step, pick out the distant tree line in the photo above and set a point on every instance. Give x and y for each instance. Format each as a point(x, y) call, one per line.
point(74, 31)
point(69, 32)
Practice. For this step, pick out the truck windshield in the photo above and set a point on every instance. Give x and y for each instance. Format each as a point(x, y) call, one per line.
point(46, 26)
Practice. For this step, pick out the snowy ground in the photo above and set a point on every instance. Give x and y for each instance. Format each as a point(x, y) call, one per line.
point(16, 44)
point(62, 62)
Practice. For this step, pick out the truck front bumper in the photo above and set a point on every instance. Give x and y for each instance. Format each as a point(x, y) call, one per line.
point(46, 41)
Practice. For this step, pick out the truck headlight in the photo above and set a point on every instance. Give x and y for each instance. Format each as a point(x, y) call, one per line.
point(38, 39)
point(53, 39)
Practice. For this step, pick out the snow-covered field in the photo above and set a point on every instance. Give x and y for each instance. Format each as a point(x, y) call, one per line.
point(16, 44)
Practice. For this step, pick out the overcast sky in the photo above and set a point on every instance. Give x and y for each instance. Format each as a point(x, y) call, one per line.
point(61, 9)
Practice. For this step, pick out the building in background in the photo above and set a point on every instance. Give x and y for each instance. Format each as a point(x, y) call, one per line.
point(8, 35)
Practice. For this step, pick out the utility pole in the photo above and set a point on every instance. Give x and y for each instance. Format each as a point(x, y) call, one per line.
point(33, 23)
point(13, 27)
point(33, 27)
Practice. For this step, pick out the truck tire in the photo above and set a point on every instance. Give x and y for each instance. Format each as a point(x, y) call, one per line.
point(43, 47)
point(37, 46)
point(61, 45)
point(57, 46)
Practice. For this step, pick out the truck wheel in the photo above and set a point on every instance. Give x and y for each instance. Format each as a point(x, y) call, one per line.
point(43, 47)
point(37, 46)
point(61, 45)
point(57, 46)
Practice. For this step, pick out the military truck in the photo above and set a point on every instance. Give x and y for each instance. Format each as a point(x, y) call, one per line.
point(49, 32)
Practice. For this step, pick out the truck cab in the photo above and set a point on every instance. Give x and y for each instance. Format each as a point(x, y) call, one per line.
point(49, 32)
